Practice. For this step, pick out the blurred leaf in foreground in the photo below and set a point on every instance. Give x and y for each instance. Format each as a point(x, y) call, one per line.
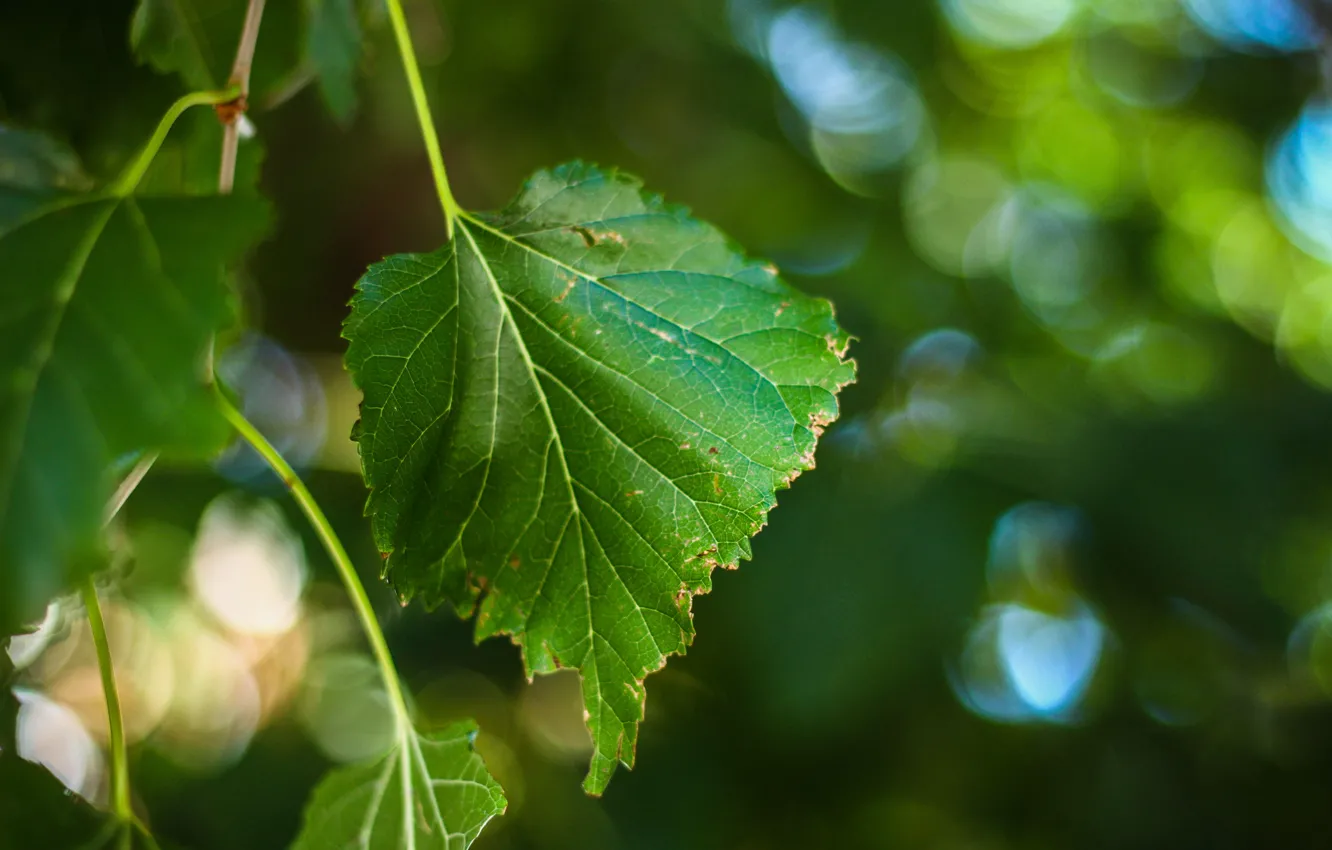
point(102, 332)
point(34, 168)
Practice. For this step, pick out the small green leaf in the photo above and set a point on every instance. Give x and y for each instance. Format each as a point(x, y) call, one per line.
point(103, 325)
point(34, 168)
point(333, 50)
point(576, 410)
point(430, 792)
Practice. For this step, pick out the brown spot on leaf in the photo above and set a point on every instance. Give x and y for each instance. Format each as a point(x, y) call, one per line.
point(712, 450)
point(588, 238)
point(568, 287)
point(515, 562)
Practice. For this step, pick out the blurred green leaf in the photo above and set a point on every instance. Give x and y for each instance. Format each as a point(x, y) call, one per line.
point(315, 40)
point(429, 791)
point(174, 38)
point(583, 405)
point(333, 50)
point(103, 331)
point(33, 169)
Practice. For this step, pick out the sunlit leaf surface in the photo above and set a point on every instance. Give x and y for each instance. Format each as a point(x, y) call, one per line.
point(573, 413)
point(430, 792)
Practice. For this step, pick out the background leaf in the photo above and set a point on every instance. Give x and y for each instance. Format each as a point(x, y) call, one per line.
point(33, 169)
point(100, 348)
point(177, 37)
point(446, 801)
point(333, 51)
point(313, 40)
point(626, 395)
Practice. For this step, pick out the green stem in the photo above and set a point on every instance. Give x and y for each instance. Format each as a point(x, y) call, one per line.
point(120, 788)
point(129, 181)
point(404, 39)
point(146, 836)
point(335, 549)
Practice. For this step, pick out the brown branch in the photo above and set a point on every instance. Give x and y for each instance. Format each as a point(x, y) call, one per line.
point(230, 113)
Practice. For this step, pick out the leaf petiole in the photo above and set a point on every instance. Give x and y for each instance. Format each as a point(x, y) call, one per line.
point(129, 180)
point(120, 788)
point(336, 551)
point(403, 37)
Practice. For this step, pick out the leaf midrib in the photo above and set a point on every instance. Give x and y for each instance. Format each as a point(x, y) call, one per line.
point(575, 510)
point(502, 302)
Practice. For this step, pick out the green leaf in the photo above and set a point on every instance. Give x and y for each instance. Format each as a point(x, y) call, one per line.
point(299, 43)
point(576, 410)
point(333, 51)
point(34, 168)
point(429, 791)
point(103, 325)
point(174, 37)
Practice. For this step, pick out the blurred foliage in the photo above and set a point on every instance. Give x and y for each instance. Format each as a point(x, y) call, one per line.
point(1062, 577)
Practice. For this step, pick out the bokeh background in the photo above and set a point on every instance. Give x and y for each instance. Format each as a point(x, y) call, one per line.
point(1063, 576)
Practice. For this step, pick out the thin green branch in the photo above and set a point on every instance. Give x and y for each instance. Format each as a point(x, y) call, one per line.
point(129, 180)
point(404, 39)
point(336, 551)
point(120, 788)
